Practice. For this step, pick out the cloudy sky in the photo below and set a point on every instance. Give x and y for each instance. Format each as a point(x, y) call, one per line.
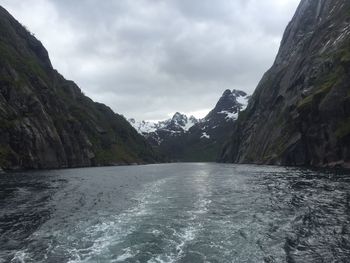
point(150, 58)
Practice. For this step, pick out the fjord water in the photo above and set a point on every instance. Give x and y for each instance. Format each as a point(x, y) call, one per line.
point(175, 213)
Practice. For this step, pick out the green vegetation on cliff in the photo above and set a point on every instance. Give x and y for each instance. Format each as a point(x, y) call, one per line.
point(46, 121)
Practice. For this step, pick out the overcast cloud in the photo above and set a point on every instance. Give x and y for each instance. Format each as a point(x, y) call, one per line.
point(150, 58)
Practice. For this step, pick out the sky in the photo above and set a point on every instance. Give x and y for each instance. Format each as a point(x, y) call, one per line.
point(148, 59)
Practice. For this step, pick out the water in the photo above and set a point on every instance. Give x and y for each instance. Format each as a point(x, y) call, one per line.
point(175, 213)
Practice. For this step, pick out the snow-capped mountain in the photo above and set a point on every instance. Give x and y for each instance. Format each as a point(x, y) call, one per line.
point(183, 138)
point(218, 123)
point(163, 131)
point(229, 106)
point(179, 123)
point(143, 127)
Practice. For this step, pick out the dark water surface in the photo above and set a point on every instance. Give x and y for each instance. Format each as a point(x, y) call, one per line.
point(175, 213)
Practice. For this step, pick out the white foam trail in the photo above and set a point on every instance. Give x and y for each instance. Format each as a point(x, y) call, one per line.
point(115, 229)
point(21, 256)
point(193, 225)
point(127, 254)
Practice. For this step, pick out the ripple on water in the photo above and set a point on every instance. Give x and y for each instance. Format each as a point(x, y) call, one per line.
point(190, 213)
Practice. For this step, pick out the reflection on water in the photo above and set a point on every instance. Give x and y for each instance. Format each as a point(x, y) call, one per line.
point(175, 213)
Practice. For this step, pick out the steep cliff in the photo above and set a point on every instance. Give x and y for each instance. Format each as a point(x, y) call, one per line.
point(300, 111)
point(46, 121)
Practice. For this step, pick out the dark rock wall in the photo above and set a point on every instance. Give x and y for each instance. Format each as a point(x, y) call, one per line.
point(300, 111)
point(46, 121)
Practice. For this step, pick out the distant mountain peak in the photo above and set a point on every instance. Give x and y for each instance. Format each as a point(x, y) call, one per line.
point(179, 123)
point(186, 138)
point(179, 119)
point(179, 115)
point(229, 105)
point(193, 119)
point(231, 101)
point(226, 93)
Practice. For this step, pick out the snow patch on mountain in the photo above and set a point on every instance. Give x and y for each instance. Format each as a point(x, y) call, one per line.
point(205, 136)
point(143, 127)
point(229, 105)
point(243, 100)
point(229, 115)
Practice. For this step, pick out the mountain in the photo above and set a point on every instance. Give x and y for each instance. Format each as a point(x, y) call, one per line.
point(183, 138)
point(226, 110)
point(300, 111)
point(46, 121)
point(179, 123)
point(163, 131)
point(204, 141)
point(143, 127)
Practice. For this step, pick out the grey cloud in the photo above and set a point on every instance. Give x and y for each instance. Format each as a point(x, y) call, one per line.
point(149, 58)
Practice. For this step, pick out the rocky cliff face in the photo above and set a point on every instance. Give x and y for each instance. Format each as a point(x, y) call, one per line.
point(300, 111)
point(46, 121)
